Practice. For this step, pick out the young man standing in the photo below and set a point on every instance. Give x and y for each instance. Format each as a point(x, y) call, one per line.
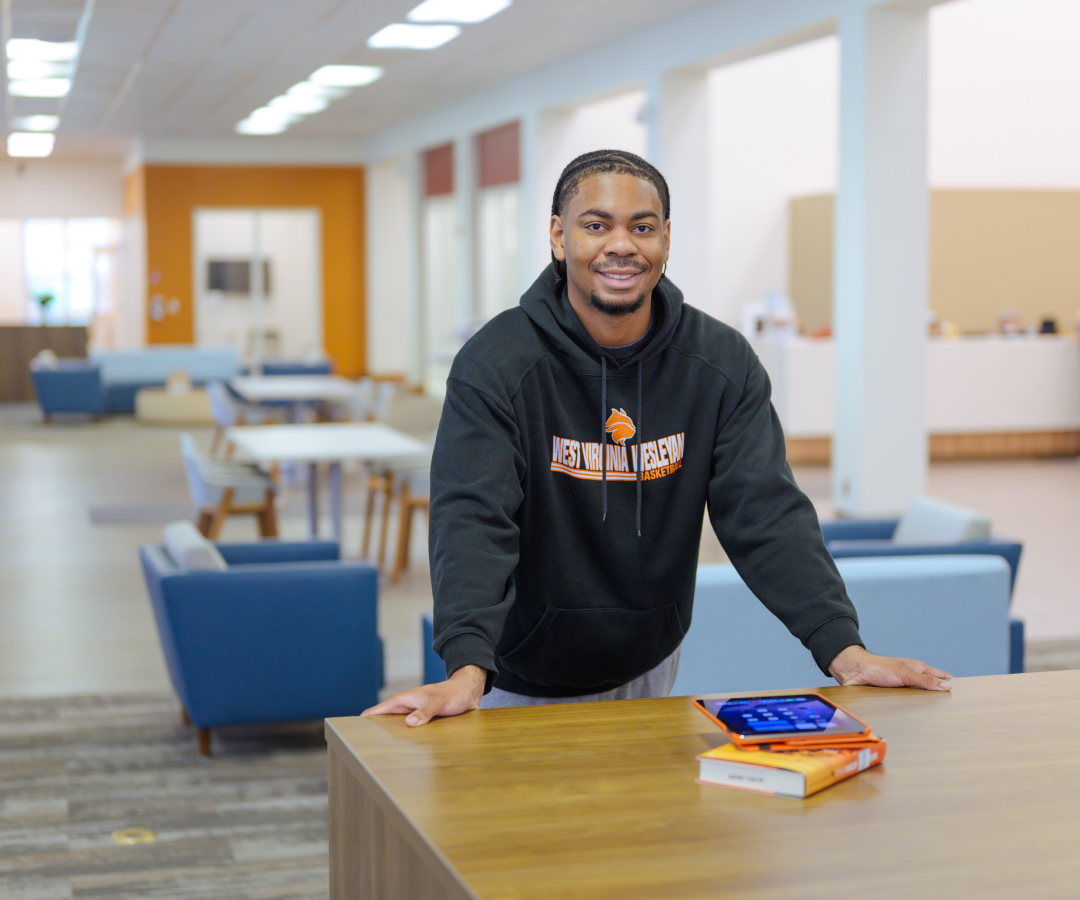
point(583, 435)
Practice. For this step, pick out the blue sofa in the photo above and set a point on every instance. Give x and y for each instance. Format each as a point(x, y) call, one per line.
point(286, 632)
point(108, 381)
point(851, 539)
point(951, 612)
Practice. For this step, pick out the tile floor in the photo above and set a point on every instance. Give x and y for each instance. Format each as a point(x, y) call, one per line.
point(73, 611)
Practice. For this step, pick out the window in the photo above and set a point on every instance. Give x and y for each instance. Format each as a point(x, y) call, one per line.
point(71, 261)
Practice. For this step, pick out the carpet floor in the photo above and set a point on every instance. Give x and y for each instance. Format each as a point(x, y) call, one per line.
point(249, 822)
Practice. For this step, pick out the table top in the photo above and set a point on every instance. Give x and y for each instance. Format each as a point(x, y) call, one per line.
point(292, 388)
point(324, 442)
point(979, 796)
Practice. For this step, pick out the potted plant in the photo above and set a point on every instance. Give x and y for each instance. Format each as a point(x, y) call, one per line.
point(44, 299)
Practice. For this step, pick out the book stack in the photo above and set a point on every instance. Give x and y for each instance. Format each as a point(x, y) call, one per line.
point(787, 772)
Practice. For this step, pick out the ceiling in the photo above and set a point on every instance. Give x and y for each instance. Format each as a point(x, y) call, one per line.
point(194, 68)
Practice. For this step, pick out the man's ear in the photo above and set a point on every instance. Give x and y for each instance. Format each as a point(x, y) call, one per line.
point(558, 237)
point(667, 240)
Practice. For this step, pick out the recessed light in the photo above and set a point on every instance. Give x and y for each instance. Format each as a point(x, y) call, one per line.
point(35, 123)
point(40, 87)
point(309, 89)
point(464, 12)
point(346, 76)
point(413, 37)
point(23, 143)
point(22, 69)
point(29, 48)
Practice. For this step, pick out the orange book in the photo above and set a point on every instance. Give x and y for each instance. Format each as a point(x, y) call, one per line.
point(785, 773)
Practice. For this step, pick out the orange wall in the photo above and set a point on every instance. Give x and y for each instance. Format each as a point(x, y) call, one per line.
point(171, 194)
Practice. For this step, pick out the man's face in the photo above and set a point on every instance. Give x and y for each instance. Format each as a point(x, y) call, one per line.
point(614, 239)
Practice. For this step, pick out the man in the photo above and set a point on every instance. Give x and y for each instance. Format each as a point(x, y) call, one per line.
point(582, 436)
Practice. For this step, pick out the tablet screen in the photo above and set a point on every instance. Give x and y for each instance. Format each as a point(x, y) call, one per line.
point(768, 716)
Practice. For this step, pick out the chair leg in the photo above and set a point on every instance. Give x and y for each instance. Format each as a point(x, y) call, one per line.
point(268, 518)
point(405, 511)
point(204, 741)
point(184, 717)
point(205, 520)
point(219, 433)
point(374, 483)
point(220, 514)
point(388, 496)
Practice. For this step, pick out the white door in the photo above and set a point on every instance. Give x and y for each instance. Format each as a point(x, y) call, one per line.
point(268, 311)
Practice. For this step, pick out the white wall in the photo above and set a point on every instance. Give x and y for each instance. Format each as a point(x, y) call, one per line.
point(61, 189)
point(390, 325)
point(773, 134)
point(1003, 94)
point(12, 281)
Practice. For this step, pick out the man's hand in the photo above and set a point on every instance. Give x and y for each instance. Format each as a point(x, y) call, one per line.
point(460, 692)
point(854, 665)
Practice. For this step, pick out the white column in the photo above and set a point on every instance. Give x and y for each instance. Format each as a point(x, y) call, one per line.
point(465, 197)
point(533, 214)
point(881, 262)
point(681, 124)
point(414, 262)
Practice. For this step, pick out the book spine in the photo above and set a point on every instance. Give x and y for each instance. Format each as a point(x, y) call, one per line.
point(849, 763)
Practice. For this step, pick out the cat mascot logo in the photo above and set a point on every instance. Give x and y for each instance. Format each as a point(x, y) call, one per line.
point(620, 426)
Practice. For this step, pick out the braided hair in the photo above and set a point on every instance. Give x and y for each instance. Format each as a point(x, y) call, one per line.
point(598, 162)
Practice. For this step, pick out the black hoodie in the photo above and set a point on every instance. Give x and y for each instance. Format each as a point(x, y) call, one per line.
point(565, 568)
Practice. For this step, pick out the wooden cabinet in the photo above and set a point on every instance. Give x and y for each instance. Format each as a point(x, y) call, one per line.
point(21, 343)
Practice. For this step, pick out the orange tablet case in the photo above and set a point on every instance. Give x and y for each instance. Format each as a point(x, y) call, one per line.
point(809, 742)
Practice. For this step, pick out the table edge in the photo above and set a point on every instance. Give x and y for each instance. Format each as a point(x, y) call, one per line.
point(437, 862)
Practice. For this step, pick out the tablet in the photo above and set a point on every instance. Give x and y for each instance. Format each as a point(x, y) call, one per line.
point(783, 718)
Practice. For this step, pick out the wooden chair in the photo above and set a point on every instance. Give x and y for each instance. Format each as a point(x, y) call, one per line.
point(220, 489)
point(415, 495)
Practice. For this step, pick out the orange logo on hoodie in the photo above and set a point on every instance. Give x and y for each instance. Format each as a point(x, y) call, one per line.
point(620, 426)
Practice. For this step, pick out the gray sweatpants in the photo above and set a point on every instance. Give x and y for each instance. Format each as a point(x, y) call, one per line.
point(656, 682)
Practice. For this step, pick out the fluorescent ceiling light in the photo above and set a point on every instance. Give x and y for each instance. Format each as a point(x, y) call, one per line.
point(413, 37)
point(303, 106)
point(266, 114)
point(29, 48)
point(22, 69)
point(22, 143)
point(40, 87)
point(252, 126)
point(309, 89)
point(465, 12)
point(35, 123)
point(348, 76)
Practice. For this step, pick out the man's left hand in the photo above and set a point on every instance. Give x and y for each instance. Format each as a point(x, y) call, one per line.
point(855, 665)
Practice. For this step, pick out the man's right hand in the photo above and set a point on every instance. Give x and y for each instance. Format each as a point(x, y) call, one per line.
point(460, 692)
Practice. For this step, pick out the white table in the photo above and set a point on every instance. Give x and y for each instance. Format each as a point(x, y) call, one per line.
point(293, 389)
point(331, 443)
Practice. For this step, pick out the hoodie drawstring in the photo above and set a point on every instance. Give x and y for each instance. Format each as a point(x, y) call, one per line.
point(603, 434)
point(640, 461)
point(603, 441)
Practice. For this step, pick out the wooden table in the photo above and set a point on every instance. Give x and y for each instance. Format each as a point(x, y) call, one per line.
point(328, 442)
point(979, 797)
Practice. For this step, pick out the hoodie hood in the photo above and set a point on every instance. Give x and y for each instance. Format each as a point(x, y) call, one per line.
point(549, 308)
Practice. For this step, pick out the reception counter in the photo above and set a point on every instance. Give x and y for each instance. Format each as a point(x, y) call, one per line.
point(988, 396)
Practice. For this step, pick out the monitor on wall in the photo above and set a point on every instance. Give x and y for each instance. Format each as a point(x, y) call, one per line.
point(234, 276)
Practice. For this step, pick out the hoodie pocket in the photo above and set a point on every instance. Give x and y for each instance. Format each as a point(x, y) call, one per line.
point(596, 647)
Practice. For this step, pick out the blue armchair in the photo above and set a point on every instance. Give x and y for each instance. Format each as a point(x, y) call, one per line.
point(871, 538)
point(285, 632)
point(68, 386)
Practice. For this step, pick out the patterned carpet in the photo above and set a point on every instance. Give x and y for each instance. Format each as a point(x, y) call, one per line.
point(249, 822)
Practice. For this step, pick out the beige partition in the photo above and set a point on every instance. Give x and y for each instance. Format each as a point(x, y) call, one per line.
point(990, 250)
